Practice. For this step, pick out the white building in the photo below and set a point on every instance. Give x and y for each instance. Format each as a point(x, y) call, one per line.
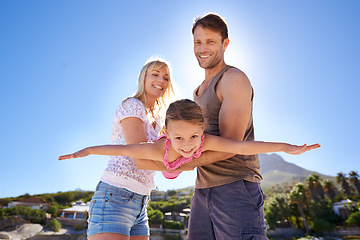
point(78, 210)
point(34, 203)
point(342, 208)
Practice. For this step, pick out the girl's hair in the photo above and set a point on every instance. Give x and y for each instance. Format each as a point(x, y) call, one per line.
point(186, 110)
point(154, 64)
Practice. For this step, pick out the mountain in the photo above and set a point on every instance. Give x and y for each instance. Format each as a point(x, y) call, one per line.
point(275, 170)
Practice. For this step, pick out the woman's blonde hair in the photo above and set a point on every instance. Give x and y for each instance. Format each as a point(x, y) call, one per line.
point(186, 110)
point(163, 101)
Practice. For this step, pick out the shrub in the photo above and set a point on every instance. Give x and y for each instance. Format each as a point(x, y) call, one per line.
point(354, 219)
point(172, 237)
point(54, 225)
point(53, 210)
point(37, 216)
point(79, 227)
point(320, 226)
point(169, 224)
point(155, 216)
point(352, 237)
point(32, 215)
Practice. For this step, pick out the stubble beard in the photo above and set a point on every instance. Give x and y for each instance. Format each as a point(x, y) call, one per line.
point(211, 64)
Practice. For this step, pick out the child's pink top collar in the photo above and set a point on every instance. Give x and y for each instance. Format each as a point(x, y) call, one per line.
point(180, 161)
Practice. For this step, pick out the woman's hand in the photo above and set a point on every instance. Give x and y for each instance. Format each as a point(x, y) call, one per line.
point(296, 150)
point(82, 153)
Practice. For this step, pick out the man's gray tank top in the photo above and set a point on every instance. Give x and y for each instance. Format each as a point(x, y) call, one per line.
point(234, 168)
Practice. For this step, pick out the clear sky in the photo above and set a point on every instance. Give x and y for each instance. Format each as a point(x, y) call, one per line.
point(66, 65)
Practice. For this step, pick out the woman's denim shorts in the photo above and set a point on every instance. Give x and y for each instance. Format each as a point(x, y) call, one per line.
point(118, 210)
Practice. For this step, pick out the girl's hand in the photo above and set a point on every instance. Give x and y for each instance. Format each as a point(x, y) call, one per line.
point(82, 153)
point(296, 150)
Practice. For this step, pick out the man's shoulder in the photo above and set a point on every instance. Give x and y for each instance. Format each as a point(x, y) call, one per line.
point(234, 84)
point(235, 76)
point(234, 72)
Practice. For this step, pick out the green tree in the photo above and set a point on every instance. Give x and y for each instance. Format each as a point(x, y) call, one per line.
point(37, 216)
point(354, 179)
point(169, 224)
point(32, 215)
point(354, 219)
point(53, 210)
point(171, 193)
point(163, 206)
point(345, 187)
point(323, 217)
point(330, 189)
point(314, 186)
point(320, 226)
point(173, 205)
point(278, 211)
point(155, 216)
point(5, 201)
point(64, 198)
point(297, 196)
point(25, 196)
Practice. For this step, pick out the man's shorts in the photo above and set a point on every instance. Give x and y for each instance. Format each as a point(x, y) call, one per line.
point(230, 211)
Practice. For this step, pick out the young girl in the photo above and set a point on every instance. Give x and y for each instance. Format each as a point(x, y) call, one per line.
point(184, 139)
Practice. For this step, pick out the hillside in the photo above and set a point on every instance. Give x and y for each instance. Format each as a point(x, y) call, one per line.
point(275, 170)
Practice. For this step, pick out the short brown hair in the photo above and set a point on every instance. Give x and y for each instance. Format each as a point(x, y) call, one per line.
point(213, 22)
point(186, 110)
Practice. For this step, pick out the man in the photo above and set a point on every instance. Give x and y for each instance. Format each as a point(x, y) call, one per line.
point(228, 201)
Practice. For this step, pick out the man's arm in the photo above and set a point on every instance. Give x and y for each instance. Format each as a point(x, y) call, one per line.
point(235, 92)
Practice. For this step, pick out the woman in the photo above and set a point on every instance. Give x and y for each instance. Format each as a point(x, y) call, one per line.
point(118, 207)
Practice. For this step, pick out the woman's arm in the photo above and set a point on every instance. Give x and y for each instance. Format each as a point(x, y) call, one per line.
point(216, 143)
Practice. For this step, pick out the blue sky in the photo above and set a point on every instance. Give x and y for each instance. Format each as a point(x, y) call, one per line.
point(66, 65)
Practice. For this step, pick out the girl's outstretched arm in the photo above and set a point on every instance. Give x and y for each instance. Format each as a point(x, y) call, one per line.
point(134, 132)
point(298, 149)
point(142, 150)
point(216, 143)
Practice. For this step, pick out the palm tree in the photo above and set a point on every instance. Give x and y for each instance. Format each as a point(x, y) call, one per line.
point(284, 207)
point(310, 186)
point(297, 196)
point(354, 179)
point(330, 189)
point(345, 187)
point(315, 188)
point(278, 210)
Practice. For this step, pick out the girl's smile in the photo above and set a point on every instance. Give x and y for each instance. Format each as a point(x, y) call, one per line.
point(185, 137)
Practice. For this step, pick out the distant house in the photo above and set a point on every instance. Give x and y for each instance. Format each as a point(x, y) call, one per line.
point(183, 193)
point(174, 216)
point(78, 210)
point(186, 211)
point(342, 208)
point(157, 195)
point(180, 193)
point(178, 217)
point(34, 203)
